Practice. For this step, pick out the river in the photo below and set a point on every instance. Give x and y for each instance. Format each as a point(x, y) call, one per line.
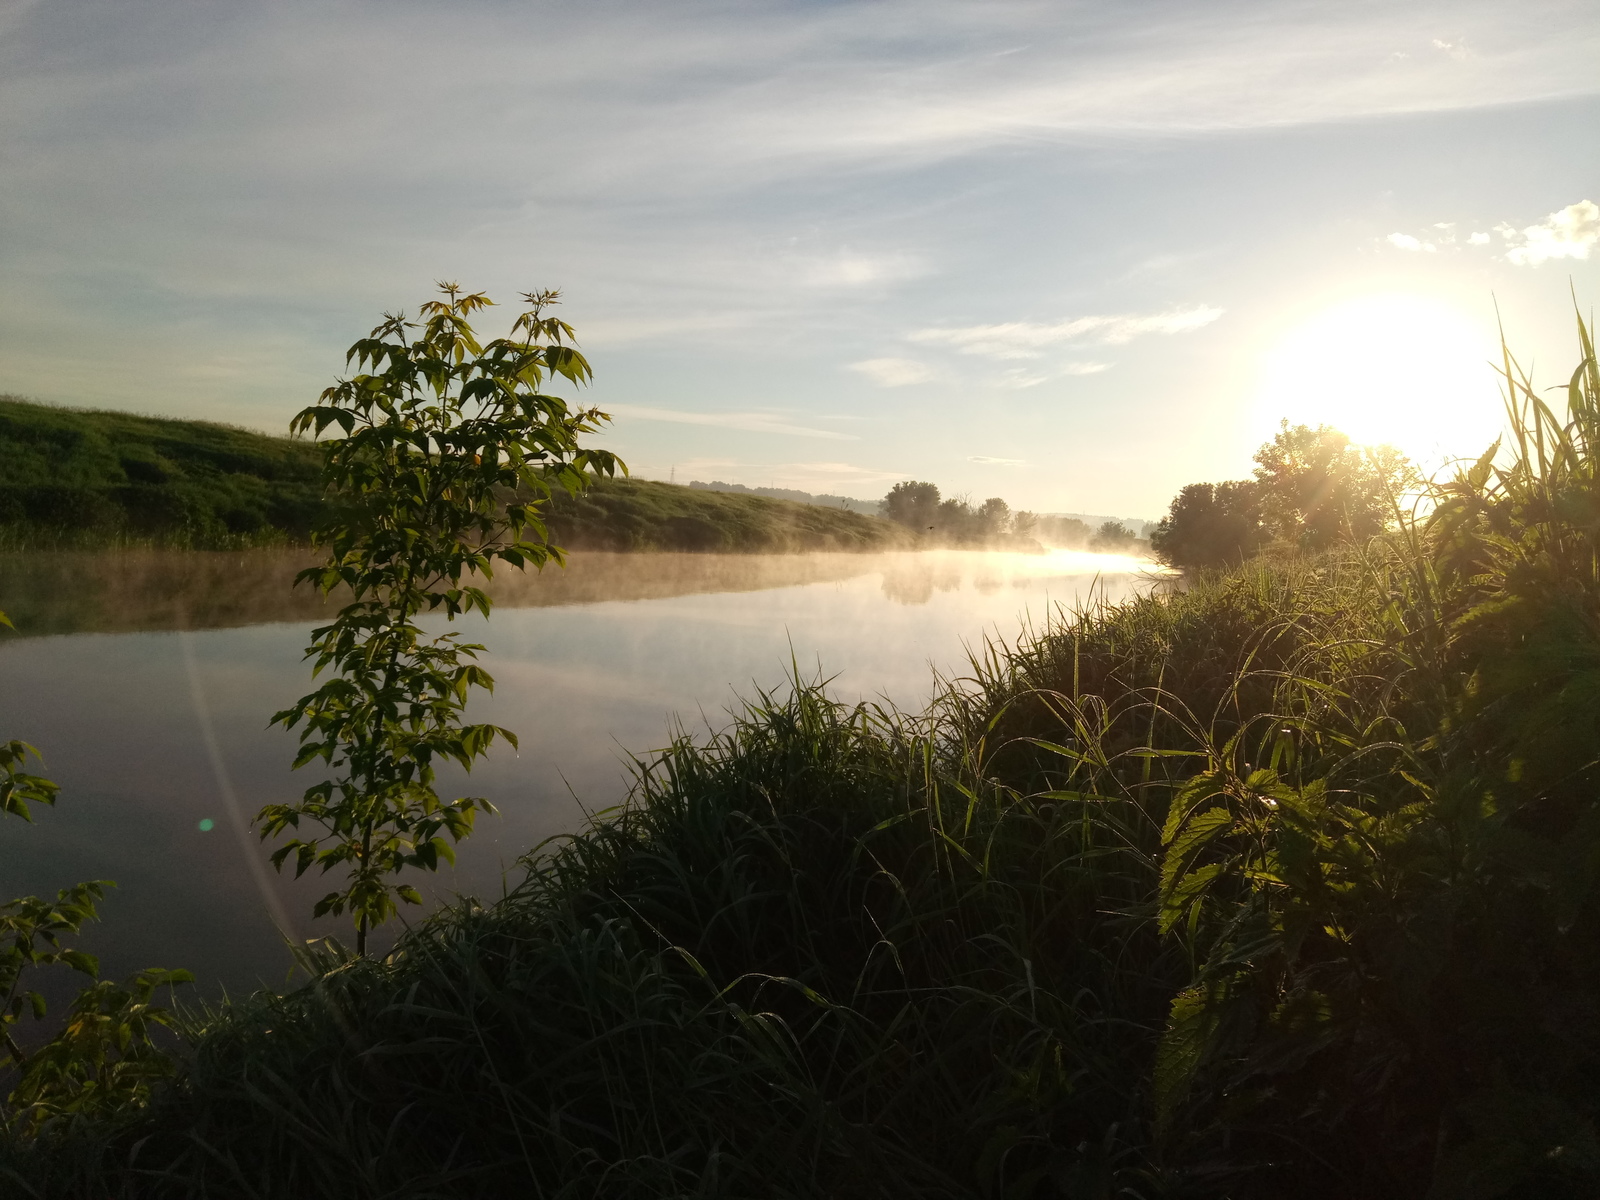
point(147, 680)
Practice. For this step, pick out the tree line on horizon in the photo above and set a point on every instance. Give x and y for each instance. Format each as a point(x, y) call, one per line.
point(917, 505)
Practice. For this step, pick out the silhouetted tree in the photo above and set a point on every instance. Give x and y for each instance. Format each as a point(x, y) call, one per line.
point(994, 517)
point(1113, 536)
point(912, 503)
point(1315, 488)
point(955, 520)
point(1210, 525)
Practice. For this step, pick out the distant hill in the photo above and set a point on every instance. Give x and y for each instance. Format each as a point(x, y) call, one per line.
point(81, 478)
point(867, 508)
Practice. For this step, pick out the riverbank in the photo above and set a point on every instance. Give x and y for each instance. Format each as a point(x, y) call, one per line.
point(85, 480)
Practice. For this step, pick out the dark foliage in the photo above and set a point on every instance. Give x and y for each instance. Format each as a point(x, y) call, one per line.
point(913, 504)
point(1210, 525)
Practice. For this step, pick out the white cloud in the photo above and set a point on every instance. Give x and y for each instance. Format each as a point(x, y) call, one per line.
point(897, 372)
point(1085, 368)
point(985, 460)
point(1571, 232)
point(1023, 339)
point(747, 421)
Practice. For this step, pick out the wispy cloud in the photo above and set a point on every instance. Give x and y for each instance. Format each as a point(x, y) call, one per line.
point(903, 372)
point(897, 372)
point(747, 421)
point(987, 461)
point(1023, 339)
point(1570, 232)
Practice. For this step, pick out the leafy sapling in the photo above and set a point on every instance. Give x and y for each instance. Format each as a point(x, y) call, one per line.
point(442, 457)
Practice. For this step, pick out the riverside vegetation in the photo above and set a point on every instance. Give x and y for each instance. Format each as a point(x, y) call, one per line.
point(1284, 883)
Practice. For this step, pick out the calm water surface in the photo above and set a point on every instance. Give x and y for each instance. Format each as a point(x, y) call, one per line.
point(147, 680)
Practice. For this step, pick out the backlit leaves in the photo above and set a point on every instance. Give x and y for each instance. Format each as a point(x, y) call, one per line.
point(446, 451)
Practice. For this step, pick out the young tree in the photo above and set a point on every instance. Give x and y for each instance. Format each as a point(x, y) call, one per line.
point(449, 448)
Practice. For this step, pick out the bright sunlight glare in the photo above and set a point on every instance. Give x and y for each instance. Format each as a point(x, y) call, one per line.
point(1405, 370)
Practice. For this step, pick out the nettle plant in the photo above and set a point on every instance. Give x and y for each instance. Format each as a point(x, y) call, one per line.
point(442, 458)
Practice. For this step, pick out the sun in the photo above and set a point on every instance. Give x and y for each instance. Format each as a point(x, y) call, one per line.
point(1406, 370)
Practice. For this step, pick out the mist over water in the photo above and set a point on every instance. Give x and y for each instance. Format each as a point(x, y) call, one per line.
point(148, 684)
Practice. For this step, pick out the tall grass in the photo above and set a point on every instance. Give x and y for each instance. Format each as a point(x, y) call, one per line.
point(1282, 884)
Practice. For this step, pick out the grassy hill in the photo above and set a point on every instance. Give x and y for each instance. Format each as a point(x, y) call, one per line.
point(84, 478)
point(77, 478)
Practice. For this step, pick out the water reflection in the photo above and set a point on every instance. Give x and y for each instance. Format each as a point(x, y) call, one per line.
point(143, 590)
point(153, 713)
point(163, 589)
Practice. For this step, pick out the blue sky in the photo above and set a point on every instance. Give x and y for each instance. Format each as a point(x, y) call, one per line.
point(1075, 255)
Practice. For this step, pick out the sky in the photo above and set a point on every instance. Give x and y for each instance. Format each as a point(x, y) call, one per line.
point(1075, 255)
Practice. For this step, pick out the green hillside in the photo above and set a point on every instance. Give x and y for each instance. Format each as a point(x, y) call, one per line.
point(78, 478)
